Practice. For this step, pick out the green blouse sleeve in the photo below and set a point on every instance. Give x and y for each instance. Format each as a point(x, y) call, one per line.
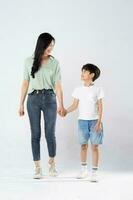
point(57, 76)
point(25, 71)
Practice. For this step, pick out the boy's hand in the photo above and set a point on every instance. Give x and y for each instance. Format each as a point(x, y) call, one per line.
point(98, 127)
point(62, 111)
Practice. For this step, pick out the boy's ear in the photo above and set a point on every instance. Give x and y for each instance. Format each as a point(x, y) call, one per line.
point(92, 75)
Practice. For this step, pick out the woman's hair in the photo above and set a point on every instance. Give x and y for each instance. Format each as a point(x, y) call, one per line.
point(43, 42)
point(92, 69)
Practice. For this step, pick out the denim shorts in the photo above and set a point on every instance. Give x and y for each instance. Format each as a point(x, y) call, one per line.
point(86, 131)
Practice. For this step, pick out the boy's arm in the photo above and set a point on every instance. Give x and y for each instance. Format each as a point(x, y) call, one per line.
point(100, 111)
point(73, 106)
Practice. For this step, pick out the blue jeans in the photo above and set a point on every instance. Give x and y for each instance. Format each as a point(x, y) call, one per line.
point(45, 102)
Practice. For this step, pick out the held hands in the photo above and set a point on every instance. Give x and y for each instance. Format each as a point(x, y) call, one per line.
point(62, 111)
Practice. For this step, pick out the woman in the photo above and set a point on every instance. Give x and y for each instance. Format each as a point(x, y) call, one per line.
point(42, 81)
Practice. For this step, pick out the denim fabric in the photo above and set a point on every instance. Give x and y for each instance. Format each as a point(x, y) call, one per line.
point(86, 131)
point(45, 102)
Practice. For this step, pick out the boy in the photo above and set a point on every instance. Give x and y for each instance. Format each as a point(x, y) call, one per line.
point(89, 100)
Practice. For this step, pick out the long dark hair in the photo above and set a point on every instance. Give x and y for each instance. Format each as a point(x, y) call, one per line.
point(43, 42)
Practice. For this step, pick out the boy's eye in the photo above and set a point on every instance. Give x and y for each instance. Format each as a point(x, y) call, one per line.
point(84, 72)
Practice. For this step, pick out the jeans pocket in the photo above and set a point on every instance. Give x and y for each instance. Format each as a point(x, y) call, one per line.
point(52, 94)
point(50, 97)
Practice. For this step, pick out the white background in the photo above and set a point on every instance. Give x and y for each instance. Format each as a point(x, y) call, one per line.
point(94, 31)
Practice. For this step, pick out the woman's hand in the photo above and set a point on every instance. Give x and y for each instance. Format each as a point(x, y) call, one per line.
point(21, 110)
point(24, 89)
point(61, 110)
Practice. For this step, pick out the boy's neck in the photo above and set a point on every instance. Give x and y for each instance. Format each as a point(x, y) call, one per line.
point(88, 83)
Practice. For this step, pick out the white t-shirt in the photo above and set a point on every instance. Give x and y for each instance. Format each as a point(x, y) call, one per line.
point(88, 97)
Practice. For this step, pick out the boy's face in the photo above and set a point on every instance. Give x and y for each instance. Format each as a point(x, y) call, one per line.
point(86, 75)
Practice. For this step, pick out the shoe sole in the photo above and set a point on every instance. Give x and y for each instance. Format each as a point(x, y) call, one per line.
point(38, 177)
point(53, 175)
point(94, 181)
point(82, 177)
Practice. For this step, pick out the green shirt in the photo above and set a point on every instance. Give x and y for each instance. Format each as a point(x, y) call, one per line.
point(46, 77)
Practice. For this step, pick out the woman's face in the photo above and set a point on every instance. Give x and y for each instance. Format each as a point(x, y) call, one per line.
point(49, 48)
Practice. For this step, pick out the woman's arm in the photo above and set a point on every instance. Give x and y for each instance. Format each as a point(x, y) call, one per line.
point(24, 89)
point(73, 106)
point(59, 93)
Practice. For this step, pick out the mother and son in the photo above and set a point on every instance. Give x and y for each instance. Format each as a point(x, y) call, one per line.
point(42, 82)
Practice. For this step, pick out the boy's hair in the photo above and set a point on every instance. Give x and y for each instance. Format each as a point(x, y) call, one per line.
point(92, 69)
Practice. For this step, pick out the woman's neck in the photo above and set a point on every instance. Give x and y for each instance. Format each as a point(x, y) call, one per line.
point(45, 57)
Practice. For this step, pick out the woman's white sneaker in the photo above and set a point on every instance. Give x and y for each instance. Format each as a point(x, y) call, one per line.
point(52, 170)
point(38, 173)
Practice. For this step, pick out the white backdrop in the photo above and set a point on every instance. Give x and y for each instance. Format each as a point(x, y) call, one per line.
point(85, 31)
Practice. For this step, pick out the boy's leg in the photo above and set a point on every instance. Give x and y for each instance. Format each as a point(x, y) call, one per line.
point(96, 139)
point(83, 154)
point(83, 140)
point(95, 159)
point(83, 134)
point(95, 155)
point(84, 171)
